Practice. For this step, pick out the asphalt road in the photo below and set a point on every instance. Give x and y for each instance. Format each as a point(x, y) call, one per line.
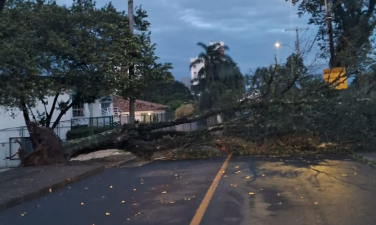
point(251, 191)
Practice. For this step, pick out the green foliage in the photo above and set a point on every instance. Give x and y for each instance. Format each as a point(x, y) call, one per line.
point(220, 81)
point(184, 111)
point(171, 93)
point(81, 132)
point(148, 73)
point(304, 107)
point(47, 50)
point(354, 24)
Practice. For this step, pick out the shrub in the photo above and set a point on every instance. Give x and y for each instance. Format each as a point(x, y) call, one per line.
point(184, 111)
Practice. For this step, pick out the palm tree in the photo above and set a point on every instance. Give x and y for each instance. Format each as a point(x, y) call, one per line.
point(218, 75)
point(214, 59)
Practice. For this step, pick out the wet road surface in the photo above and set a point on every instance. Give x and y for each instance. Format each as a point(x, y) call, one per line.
point(250, 191)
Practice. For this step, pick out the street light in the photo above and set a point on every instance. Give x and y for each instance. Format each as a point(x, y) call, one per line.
point(277, 45)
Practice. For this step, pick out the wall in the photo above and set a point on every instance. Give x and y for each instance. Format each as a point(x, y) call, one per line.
point(195, 70)
point(14, 118)
point(12, 125)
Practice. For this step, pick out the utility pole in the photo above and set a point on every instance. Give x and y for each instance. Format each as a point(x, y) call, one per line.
point(297, 42)
point(132, 100)
point(328, 17)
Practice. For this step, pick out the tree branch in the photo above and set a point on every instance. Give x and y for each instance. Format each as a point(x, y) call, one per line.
point(62, 113)
point(52, 110)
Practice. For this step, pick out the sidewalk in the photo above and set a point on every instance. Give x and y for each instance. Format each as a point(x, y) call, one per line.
point(23, 184)
point(26, 183)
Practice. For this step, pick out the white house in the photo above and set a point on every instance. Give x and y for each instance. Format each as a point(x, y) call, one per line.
point(107, 111)
point(13, 131)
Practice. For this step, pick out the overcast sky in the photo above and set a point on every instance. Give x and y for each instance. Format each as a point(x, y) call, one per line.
point(248, 27)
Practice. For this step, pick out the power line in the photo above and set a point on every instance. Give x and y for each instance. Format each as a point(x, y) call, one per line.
point(297, 42)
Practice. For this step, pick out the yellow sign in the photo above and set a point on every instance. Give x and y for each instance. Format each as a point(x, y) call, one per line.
point(336, 77)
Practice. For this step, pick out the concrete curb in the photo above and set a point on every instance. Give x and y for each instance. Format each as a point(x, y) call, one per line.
point(117, 164)
point(45, 190)
point(363, 159)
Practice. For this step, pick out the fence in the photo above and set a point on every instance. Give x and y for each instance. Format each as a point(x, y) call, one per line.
point(8, 154)
point(93, 121)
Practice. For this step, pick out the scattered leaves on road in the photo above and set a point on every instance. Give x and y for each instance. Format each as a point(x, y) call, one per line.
point(316, 203)
point(237, 172)
point(135, 189)
point(122, 202)
point(23, 214)
point(236, 167)
point(278, 194)
point(251, 193)
point(164, 192)
point(50, 190)
point(234, 185)
point(224, 175)
point(107, 214)
point(248, 177)
point(82, 203)
point(111, 187)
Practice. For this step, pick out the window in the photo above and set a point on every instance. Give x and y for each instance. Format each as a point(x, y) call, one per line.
point(105, 108)
point(79, 110)
point(146, 117)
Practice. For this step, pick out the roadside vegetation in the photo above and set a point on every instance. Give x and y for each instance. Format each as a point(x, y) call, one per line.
point(282, 109)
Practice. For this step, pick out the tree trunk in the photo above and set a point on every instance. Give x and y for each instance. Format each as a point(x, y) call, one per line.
point(46, 144)
point(47, 148)
point(2, 4)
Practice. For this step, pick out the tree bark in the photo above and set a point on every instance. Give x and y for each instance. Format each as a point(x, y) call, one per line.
point(46, 144)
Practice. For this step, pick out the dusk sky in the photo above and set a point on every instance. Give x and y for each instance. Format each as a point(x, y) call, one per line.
point(250, 28)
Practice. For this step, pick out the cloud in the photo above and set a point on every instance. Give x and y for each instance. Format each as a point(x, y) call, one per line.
point(191, 17)
point(249, 27)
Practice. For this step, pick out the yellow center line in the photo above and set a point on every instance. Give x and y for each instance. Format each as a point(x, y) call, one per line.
point(209, 194)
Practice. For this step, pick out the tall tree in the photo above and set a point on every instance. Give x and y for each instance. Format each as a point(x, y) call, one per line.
point(219, 77)
point(147, 70)
point(354, 22)
point(213, 57)
point(49, 50)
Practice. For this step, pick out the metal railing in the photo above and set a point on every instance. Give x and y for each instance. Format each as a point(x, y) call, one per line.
point(102, 121)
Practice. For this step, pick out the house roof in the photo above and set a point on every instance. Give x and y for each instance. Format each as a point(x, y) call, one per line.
point(140, 105)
